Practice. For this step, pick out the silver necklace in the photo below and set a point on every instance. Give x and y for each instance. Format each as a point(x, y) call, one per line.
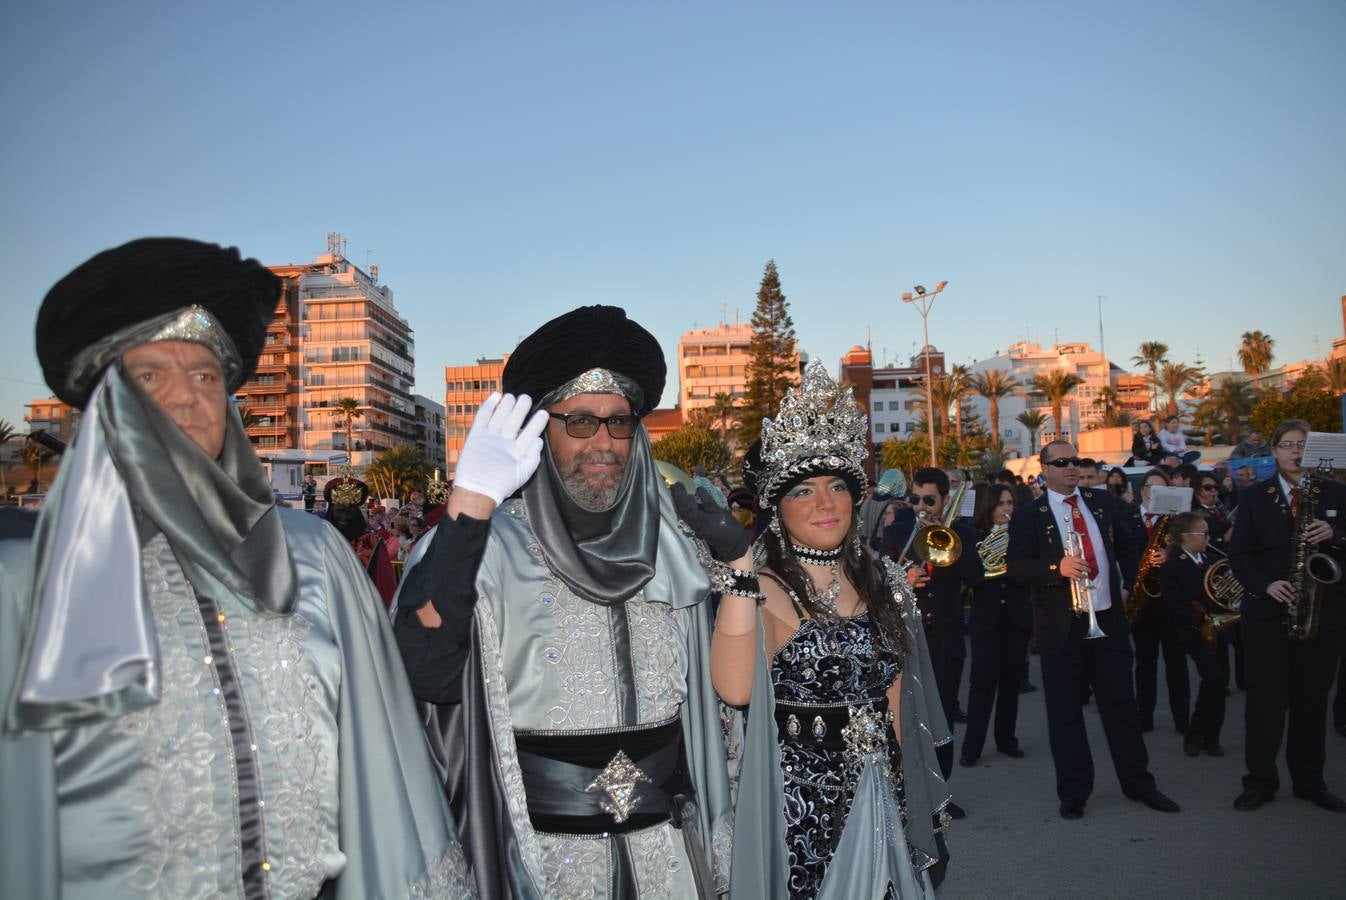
point(826, 599)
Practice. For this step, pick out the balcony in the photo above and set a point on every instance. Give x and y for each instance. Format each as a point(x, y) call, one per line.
point(273, 367)
point(267, 430)
point(268, 409)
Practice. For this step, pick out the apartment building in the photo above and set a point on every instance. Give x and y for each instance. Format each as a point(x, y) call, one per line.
point(1024, 360)
point(465, 387)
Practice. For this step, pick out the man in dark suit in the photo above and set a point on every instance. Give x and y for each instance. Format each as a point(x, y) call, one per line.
point(1286, 675)
point(1070, 660)
point(939, 593)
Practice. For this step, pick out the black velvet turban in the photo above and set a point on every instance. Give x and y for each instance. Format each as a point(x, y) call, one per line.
point(591, 337)
point(144, 280)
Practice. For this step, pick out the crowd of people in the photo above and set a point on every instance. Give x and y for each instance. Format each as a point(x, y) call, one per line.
point(587, 683)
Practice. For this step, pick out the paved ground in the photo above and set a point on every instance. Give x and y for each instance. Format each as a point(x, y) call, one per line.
point(1014, 844)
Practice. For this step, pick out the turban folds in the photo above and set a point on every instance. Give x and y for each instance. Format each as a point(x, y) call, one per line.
point(141, 281)
point(591, 337)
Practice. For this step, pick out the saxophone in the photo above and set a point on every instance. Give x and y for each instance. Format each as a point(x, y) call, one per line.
point(1147, 576)
point(1309, 568)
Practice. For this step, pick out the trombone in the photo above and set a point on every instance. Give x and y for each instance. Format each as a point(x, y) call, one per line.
point(939, 545)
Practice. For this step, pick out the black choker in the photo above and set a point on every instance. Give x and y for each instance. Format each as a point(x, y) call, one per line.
point(816, 557)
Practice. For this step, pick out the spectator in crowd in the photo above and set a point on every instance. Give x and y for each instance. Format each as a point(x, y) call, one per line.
point(1174, 441)
point(1145, 448)
point(1252, 445)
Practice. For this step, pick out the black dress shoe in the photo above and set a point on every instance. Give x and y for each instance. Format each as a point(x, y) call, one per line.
point(1191, 745)
point(1072, 810)
point(955, 811)
point(1013, 753)
point(1324, 798)
point(1027, 687)
point(1210, 748)
point(1252, 798)
point(1180, 727)
point(1158, 802)
point(967, 762)
point(959, 717)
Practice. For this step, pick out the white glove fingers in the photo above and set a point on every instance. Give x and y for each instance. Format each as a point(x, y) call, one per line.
point(481, 422)
point(533, 430)
point(517, 413)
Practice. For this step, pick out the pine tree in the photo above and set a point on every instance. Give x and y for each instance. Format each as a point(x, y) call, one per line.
point(772, 362)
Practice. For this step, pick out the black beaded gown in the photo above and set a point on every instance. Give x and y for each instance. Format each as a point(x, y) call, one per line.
point(828, 662)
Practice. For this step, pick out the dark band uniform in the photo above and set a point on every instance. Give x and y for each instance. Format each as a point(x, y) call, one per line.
point(1070, 663)
point(1001, 623)
point(1182, 585)
point(1156, 634)
point(1285, 676)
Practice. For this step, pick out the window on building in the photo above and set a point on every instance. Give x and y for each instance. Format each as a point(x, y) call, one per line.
point(878, 428)
point(911, 426)
point(894, 405)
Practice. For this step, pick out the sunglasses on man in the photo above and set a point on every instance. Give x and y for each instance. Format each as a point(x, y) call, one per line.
point(621, 427)
point(1066, 461)
point(922, 499)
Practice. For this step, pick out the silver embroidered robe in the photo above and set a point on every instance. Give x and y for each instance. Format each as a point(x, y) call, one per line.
point(549, 663)
point(146, 804)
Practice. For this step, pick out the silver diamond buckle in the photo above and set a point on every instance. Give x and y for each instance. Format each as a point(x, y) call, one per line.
point(618, 780)
point(866, 732)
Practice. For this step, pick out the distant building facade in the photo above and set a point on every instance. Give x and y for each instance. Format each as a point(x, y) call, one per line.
point(55, 417)
point(429, 430)
point(1024, 360)
point(465, 387)
point(713, 361)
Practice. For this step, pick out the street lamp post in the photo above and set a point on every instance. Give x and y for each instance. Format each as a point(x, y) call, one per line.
point(924, 300)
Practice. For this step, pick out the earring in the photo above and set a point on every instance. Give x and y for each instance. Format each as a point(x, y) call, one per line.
point(775, 524)
point(856, 547)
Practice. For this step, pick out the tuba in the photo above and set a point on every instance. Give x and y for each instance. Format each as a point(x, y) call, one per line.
point(992, 549)
point(1147, 575)
point(1225, 593)
point(1309, 569)
point(939, 544)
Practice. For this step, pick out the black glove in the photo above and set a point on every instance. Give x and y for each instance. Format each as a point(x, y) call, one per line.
point(726, 538)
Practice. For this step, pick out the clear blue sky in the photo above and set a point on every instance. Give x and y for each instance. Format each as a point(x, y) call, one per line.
point(504, 161)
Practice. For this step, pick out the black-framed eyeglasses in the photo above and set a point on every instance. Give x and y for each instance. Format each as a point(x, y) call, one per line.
point(1066, 461)
point(922, 499)
point(1210, 486)
point(621, 427)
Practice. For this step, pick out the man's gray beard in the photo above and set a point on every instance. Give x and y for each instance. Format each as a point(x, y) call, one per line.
point(593, 497)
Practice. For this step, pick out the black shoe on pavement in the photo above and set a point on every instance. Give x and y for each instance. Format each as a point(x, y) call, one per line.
point(1158, 802)
point(1191, 745)
point(1324, 798)
point(1027, 687)
point(1252, 798)
point(959, 717)
point(967, 761)
point(1013, 753)
point(1072, 810)
point(1210, 748)
point(1180, 727)
point(955, 811)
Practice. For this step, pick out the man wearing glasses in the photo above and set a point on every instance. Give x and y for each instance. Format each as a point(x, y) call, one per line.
point(1071, 661)
point(1286, 677)
point(558, 618)
point(938, 593)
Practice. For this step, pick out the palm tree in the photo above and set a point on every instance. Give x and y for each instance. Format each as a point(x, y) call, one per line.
point(1109, 406)
point(995, 385)
point(1151, 354)
point(1172, 380)
point(33, 454)
point(1255, 352)
point(1032, 419)
point(1312, 378)
point(1056, 386)
point(960, 385)
point(1208, 417)
point(1235, 399)
point(1334, 370)
point(942, 394)
point(723, 413)
point(398, 471)
point(348, 408)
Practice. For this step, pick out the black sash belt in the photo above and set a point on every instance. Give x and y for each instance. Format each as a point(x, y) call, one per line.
point(558, 770)
point(820, 726)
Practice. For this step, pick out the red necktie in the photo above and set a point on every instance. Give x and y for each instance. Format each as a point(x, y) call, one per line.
point(1294, 500)
point(1077, 522)
point(1149, 519)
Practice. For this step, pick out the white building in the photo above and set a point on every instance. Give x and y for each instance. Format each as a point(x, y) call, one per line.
point(897, 397)
point(1024, 360)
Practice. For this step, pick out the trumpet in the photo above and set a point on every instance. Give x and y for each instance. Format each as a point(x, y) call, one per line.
point(939, 544)
point(1083, 590)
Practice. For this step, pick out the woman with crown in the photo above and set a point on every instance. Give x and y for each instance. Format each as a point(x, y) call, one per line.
point(839, 791)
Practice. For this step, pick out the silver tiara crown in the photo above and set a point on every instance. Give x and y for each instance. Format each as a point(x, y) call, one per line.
point(820, 428)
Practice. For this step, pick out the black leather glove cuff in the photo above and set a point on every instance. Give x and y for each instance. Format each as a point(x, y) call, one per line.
point(447, 574)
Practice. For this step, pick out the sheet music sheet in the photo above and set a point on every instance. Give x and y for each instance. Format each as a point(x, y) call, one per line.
point(1324, 446)
point(1167, 501)
point(968, 508)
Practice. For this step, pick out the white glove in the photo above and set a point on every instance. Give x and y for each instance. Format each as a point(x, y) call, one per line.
point(501, 452)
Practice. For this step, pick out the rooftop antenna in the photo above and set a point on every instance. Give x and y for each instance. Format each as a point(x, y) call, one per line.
point(724, 313)
point(1101, 298)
